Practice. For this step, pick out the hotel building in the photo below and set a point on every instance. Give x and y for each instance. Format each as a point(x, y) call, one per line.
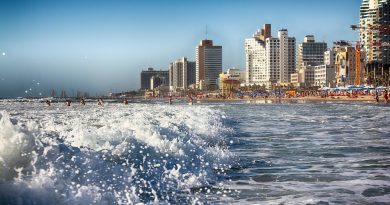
point(208, 64)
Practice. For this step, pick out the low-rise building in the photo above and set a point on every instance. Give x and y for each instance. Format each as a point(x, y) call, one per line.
point(146, 76)
point(345, 66)
point(228, 83)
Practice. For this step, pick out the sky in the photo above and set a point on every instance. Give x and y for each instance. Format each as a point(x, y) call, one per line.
point(101, 46)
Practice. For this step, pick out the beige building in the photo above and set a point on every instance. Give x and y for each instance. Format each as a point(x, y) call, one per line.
point(240, 74)
point(345, 65)
point(228, 83)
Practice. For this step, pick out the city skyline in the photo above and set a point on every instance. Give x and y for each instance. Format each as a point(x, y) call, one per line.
point(101, 47)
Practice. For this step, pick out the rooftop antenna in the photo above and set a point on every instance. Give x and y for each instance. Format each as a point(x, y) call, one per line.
point(206, 31)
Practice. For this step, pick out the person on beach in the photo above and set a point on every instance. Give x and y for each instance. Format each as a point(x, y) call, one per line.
point(82, 101)
point(125, 101)
point(386, 96)
point(377, 96)
point(170, 100)
point(48, 103)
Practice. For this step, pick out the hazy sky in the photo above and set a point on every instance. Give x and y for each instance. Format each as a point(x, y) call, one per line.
point(101, 46)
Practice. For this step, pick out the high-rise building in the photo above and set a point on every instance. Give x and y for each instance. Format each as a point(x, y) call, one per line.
point(311, 52)
point(255, 57)
point(280, 56)
point(146, 76)
point(182, 74)
point(208, 64)
point(269, 60)
point(375, 30)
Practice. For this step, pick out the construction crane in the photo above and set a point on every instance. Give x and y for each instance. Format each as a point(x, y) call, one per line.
point(385, 29)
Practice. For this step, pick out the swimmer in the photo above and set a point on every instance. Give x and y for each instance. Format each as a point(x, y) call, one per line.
point(82, 101)
point(100, 102)
point(68, 102)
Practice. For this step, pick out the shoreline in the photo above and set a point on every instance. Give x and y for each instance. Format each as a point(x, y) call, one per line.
point(368, 99)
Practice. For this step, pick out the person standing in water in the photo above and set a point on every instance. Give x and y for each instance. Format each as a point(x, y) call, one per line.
point(386, 96)
point(82, 101)
point(377, 96)
point(100, 102)
point(170, 100)
point(190, 100)
point(68, 102)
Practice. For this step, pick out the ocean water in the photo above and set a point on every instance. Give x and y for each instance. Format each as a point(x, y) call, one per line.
point(220, 153)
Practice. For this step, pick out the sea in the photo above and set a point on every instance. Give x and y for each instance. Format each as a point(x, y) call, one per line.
point(150, 152)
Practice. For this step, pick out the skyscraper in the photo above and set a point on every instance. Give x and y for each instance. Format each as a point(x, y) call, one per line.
point(255, 57)
point(208, 63)
point(280, 57)
point(182, 74)
point(375, 30)
point(269, 60)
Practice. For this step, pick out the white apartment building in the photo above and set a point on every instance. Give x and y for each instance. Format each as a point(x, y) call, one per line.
point(269, 60)
point(182, 74)
point(255, 59)
point(280, 57)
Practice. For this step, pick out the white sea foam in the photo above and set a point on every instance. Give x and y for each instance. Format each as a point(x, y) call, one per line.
point(109, 155)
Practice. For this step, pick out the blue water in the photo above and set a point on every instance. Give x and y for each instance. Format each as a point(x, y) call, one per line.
point(313, 153)
point(208, 153)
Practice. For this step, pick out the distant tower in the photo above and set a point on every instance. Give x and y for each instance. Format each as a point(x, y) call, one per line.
point(208, 63)
point(182, 74)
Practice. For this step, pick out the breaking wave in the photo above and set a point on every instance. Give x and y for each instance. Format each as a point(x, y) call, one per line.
point(142, 153)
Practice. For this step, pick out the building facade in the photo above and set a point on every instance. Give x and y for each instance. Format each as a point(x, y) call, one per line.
point(345, 65)
point(240, 74)
point(324, 76)
point(228, 84)
point(375, 30)
point(311, 52)
point(146, 75)
point(182, 74)
point(269, 60)
point(280, 57)
point(208, 64)
point(255, 57)
point(157, 81)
